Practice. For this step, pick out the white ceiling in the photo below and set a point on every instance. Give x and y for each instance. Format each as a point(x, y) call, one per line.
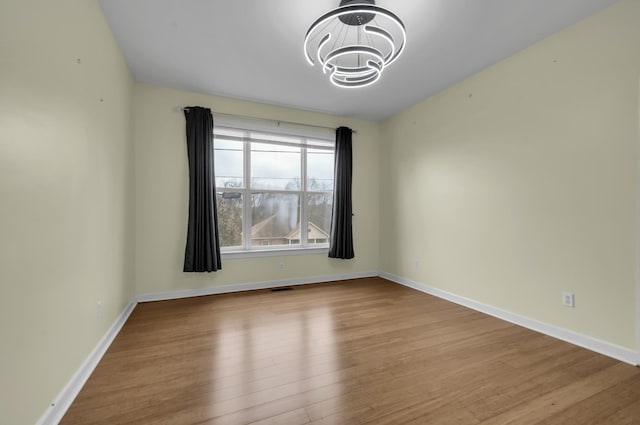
point(252, 49)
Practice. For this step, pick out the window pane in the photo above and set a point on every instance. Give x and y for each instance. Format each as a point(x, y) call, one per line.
point(228, 163)
point(275, 167)
point(275, 218)
point(230, 218)
point(319, 169)
point(319, 218)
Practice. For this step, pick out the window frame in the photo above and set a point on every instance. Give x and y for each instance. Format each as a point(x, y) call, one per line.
point(247, 249)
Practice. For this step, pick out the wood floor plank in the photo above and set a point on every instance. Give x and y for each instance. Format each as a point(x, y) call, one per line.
point(627, 416)
point(365, 351)
point(294, 417)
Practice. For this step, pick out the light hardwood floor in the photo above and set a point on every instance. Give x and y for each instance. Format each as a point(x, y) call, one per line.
point(366, 351)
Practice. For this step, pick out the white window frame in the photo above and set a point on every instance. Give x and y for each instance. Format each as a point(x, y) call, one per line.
point(247, 250)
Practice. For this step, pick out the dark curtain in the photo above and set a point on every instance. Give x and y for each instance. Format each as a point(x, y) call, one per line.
point(202, 253)
point(341, 238)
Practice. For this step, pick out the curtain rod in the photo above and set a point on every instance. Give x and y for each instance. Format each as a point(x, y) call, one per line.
point(247, 117)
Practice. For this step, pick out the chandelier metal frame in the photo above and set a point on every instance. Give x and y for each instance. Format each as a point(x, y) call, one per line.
point(355, 59)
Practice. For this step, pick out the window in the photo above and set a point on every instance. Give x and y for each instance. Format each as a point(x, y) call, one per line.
point(274, 190)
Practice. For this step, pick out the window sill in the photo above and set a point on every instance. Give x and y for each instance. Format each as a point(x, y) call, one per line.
point(274, 252)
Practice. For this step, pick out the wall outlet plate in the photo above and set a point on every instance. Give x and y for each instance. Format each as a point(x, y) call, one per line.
point(568, 299)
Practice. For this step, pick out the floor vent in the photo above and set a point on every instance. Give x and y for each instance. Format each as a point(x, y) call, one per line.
point(283, 288)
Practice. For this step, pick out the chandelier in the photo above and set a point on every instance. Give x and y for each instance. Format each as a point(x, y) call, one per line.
point(355, 42)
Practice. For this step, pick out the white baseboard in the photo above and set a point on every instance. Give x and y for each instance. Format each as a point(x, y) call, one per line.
point(61, 404)
point(608, 349)
point(224, 289)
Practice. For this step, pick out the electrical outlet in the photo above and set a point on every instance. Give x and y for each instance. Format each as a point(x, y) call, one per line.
point(568, 299)
point(416, 264)
point(99, 310)
point(281, 266)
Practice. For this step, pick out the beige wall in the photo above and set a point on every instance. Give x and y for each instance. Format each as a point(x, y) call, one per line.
point(65, 195)
point(522, 181)
point(162, 195)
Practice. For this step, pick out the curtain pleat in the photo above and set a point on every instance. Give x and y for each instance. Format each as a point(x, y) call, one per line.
point(202, 253)
point(341, 237)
